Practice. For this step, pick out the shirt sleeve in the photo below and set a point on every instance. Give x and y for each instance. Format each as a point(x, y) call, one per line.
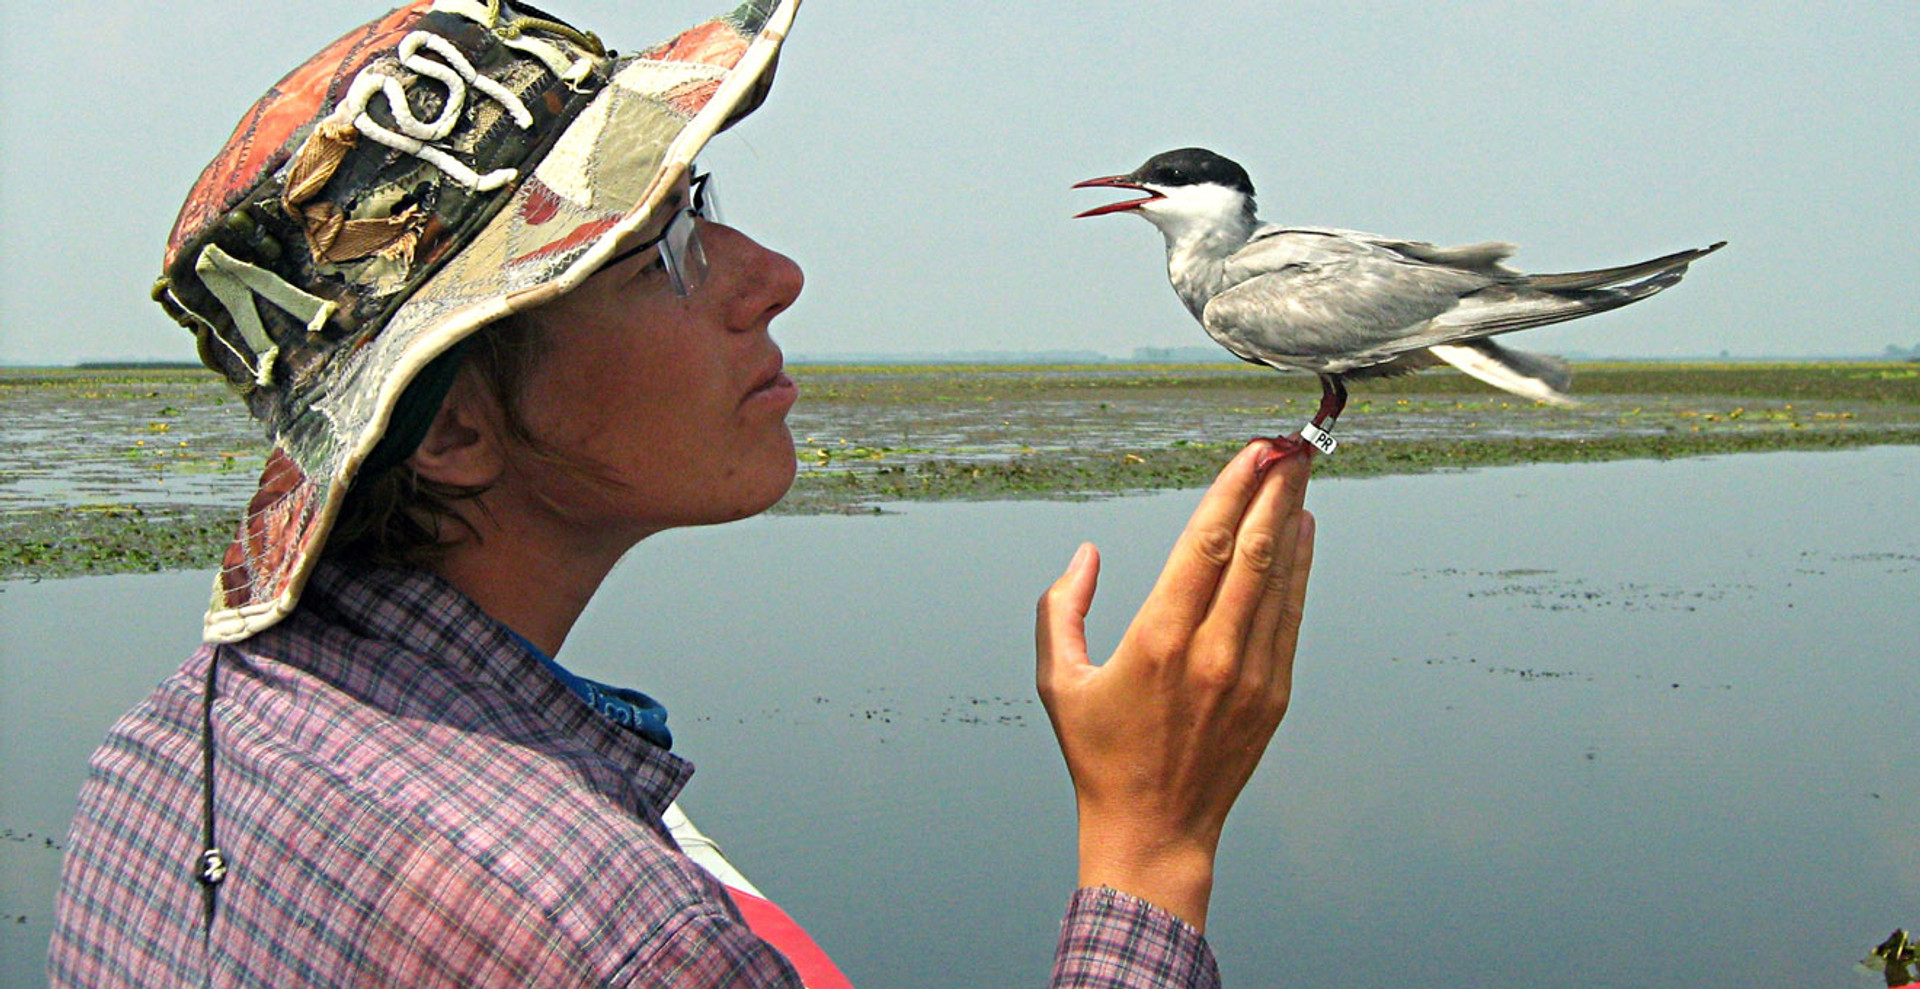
point(1111, 940)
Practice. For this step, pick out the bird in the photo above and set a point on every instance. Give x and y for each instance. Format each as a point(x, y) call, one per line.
point(1345, 304)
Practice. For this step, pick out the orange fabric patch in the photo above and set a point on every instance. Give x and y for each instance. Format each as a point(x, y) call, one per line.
point(257, 144)
point(713, 43)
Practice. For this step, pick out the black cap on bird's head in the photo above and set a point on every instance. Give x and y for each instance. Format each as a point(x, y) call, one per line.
point(1169, 170)
point(1193, 166)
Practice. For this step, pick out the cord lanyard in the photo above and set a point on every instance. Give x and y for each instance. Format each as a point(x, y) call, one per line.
point(211, 866)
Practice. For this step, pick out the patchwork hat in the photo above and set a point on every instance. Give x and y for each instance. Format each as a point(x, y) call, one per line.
point(441, 167)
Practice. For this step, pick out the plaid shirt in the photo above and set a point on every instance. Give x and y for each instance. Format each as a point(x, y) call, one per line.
point(405, 796)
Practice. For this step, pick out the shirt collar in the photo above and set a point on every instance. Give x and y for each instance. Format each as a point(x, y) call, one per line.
point(413, 624)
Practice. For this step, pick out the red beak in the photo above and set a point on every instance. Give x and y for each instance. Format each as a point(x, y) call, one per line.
point(1116, 182)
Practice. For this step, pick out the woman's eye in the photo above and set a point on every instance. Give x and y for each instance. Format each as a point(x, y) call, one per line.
point(650, 267)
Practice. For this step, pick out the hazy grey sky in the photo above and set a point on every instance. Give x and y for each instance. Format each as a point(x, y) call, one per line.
point(915, 158)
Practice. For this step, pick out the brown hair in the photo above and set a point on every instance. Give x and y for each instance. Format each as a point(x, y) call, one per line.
point(397, 517)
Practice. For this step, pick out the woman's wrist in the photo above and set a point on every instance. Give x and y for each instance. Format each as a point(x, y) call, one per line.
point(1174, 875)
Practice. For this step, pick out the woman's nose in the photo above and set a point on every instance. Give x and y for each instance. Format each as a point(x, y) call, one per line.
point(761, 281)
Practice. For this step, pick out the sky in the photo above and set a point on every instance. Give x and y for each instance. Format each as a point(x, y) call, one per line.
point(916, 158)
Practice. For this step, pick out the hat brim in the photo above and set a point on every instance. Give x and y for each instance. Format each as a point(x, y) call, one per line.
point(598, 185)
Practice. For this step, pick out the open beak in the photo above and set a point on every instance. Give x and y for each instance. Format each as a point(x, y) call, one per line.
point(1116, 182)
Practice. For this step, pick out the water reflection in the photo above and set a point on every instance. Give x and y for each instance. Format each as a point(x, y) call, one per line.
point(1635, 712)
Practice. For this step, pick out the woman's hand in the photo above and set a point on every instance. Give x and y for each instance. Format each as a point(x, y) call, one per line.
point(1161, 739)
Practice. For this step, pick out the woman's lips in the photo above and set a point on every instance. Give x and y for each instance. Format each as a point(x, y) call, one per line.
point(779, 389)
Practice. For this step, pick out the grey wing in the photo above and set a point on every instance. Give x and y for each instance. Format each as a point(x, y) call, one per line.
point(1482, 258)
point(1331, 301)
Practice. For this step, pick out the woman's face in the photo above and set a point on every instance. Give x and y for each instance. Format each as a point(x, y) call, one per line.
point(681, 402)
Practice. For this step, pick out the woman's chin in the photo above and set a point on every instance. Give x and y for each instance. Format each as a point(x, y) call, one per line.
point(769, 485)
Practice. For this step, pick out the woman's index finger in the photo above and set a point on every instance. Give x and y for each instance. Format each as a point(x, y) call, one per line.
point(1263, 557)
point(1205, 547)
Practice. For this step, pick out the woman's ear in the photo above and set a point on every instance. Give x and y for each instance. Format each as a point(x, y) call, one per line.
point(463, 445)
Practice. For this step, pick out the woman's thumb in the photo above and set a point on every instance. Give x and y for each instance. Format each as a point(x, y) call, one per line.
point(1060, 626)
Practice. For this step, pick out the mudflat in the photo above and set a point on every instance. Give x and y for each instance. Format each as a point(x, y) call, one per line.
point(111, 471)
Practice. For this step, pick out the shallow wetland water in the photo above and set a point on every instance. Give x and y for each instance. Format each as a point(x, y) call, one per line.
point(129, 472)
point(1633, 724)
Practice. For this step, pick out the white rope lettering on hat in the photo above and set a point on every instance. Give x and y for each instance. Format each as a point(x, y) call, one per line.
point(572, 72)
point(416, 136)
point(569, 70)
point(235, 282)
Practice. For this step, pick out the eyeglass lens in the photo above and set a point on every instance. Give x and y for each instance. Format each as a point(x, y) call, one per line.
point(680, 248)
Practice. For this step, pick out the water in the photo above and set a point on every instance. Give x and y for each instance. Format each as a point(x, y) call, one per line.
point(168, 441)
point(1634, 724)
point(172, 440)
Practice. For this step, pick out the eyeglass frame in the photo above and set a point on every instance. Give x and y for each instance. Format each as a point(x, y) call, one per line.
point(681, 252)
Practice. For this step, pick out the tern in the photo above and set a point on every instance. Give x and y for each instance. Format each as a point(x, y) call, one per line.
point(1345, 304)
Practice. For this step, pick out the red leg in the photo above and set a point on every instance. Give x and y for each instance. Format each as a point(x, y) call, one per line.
point(1333, 399)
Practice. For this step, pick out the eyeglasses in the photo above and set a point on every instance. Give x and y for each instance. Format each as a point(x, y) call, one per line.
point(681, 252)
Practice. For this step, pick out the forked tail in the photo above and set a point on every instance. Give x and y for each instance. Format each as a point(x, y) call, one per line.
point(1603, 277)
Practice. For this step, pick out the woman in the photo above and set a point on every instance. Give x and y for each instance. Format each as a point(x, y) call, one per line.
point(459, 266)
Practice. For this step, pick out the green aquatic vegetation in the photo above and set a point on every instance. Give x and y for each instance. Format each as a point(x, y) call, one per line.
point(1896, 959)
point(1069, 431)
point(810, 453)
point(111, 539)
point(1194, 464)
point(1894, 374)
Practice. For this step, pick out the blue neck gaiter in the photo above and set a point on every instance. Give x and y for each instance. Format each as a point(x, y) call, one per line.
point(628, 708)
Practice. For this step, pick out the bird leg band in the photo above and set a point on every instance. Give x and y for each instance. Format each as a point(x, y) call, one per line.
point(1318, 438)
